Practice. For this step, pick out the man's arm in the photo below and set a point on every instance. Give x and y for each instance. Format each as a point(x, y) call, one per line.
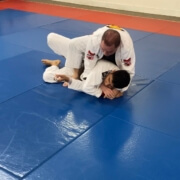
point(86, 86)
point(61, 78)
point(90, 56)
point(70, 82)
point(127, 53)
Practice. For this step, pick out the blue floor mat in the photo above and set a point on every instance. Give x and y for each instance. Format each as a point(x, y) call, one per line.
point(10, 50)
point(172, 76)
point(35, 39)
point(44, 120)
point(6, 176)
point(13, 21)
point(111, 150)
point(154, 57)
point(156, 107)
point(137, 35)
point(21, 73)
point(79, 28)
point(50, 132)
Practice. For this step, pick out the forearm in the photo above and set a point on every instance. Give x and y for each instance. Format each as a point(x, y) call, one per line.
point(78, 85)
point(75, 84)
point(93, 91)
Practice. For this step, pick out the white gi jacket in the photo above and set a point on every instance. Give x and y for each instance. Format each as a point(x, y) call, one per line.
point(124, 56)
point(87, 48)
point(94, 79)
point(90, 85)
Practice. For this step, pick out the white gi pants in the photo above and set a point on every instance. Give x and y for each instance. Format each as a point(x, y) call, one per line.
point(72, 49)
point(50, 72)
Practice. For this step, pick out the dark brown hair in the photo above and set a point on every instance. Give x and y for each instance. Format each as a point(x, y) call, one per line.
point(111, 37)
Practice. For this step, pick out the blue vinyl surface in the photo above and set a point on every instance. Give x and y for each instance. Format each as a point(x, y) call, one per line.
point(34, 39)
point(156, 107)
point(21, 73)
point(13, 21)
point(50, 132)
point(74, 27)
point(9, 14)
point(6, 176)
point(137, 35)
point(115, 149)
point(43, 121)
point(156, 54)
point(172, 76)
point(10, 50)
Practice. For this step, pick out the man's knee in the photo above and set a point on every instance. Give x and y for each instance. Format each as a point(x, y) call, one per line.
point(73, 46)
point(45, 77)
point(48, 77)
point(50, 38)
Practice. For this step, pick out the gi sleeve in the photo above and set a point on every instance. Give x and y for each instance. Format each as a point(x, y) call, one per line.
point(76, 85)
point(92, 83)
point(89, 86)
point(90, 57)
point(128, 62)
point(126, 54)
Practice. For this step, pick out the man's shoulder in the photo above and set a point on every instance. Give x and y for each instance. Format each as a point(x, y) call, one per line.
point(101, 30)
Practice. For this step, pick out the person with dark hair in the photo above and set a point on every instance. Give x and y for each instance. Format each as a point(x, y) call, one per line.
point(119, 79)
point(104, 73)
point(110, 43)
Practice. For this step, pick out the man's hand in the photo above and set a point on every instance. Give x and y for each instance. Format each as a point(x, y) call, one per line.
point(65, 84)
point(117, 93)
point(110, 94)
point(61, 78)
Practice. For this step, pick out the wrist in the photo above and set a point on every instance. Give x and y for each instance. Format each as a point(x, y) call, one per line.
point(69, 80)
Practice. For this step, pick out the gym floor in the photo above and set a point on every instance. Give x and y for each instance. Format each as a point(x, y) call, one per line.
point(48, 132)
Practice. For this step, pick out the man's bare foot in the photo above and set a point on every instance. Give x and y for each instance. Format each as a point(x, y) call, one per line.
point(48, 62)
